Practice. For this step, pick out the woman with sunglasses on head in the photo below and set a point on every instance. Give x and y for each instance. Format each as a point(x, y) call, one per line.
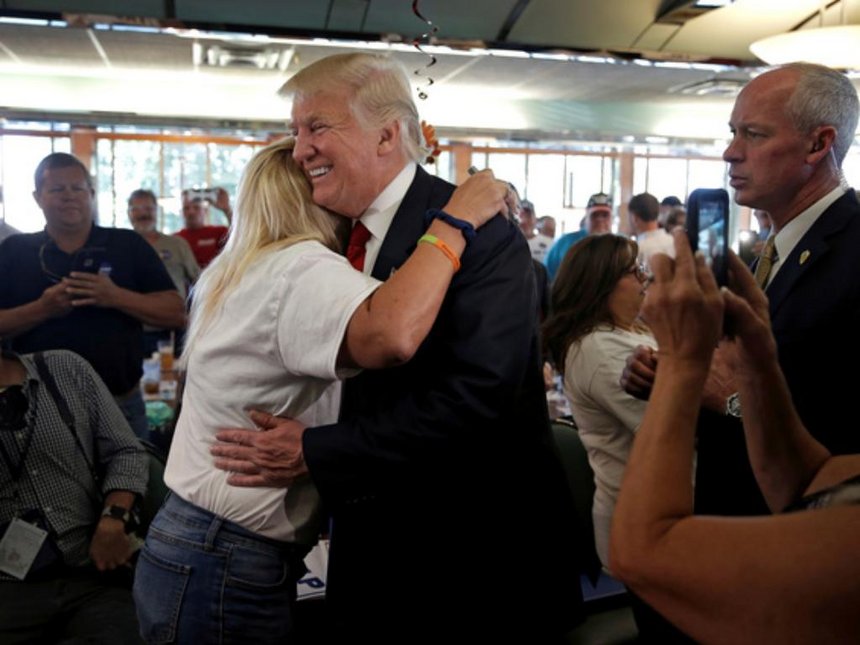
point(593, 328)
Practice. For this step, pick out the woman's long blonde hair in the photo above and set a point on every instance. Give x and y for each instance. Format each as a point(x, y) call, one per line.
point(274, 210)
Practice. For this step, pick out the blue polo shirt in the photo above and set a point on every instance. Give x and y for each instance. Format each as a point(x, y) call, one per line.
point(108, 338)
point(559, 250)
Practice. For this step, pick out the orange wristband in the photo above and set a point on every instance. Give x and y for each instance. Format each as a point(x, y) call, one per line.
point(439, 244)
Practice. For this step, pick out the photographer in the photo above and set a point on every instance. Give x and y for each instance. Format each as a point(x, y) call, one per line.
point(791, 577)
point(205, 240)
point(71, 469)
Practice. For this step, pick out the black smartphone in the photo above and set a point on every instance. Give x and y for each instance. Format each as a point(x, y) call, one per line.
point(708, 228)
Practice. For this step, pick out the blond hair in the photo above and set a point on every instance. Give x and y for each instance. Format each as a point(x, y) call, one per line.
point(274, 210)
point(379, 93)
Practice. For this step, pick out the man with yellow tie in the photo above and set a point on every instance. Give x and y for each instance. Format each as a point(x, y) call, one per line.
point(791, 129)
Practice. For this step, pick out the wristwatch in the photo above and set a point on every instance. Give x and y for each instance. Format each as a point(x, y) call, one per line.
point(127, 517)
point(464, 227)
point(733, 406)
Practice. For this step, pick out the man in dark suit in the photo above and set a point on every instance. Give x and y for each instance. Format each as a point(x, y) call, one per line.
point(792, 127)
point(450, 515)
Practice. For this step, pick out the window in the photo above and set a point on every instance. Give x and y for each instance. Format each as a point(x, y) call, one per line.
point(667, 177)
point(166, 168)
point(19, 156)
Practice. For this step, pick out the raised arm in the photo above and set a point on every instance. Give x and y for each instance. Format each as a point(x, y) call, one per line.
point(391, 324)
point(222, 203)
point(784, 456)
point(791, 578)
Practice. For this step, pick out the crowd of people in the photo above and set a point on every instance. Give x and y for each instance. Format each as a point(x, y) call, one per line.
point(364, 356)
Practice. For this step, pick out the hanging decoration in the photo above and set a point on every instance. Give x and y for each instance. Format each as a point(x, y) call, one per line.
point(429, 133)
point(424, 38)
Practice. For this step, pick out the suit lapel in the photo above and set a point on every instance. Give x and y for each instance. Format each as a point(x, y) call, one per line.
point(406, 227)
point(811, 248)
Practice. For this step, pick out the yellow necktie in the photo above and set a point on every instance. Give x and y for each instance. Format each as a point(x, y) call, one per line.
point(765, 262)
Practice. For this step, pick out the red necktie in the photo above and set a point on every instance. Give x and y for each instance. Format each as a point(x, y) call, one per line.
point(355, 250)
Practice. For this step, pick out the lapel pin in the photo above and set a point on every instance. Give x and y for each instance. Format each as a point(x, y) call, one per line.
point(804, 257)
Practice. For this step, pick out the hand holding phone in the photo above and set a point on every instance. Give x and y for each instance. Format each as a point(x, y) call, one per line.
point(708, 228)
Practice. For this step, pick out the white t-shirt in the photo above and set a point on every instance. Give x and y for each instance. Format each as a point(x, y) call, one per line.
point(539, 246)
point(656, 241)
point(606, 415)
point(272, 346)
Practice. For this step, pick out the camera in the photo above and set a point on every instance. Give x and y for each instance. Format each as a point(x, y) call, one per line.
point(209, 194)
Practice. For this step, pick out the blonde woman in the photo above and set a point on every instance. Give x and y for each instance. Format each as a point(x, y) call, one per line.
point(277, 319)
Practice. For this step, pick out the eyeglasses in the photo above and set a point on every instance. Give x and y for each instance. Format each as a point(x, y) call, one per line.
point(54, 277)
point(641, 272)
point(84, 259)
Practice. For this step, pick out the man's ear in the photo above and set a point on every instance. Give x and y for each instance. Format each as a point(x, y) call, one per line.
point(389, 138)
point(821, 141)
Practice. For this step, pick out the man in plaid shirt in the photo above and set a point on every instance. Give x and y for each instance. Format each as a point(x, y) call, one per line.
point(71, 468)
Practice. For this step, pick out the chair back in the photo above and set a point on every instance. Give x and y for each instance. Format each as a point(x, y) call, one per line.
point(580, 480)
point(156, 489)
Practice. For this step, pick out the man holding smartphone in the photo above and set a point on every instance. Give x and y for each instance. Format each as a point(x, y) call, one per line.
point(85, 288)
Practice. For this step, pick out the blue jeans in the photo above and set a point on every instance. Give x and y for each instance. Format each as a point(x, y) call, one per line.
point(203, 579)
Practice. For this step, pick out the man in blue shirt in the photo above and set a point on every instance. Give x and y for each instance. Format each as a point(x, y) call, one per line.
point(598, 220)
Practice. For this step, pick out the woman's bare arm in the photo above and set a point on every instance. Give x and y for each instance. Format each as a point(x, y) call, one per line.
point(791, 578)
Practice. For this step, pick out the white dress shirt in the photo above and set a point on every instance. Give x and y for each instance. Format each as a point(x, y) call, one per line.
point(791, 234)
point(379, 215)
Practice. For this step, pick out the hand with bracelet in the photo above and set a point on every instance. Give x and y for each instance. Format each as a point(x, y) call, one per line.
point(385, 330)
point(474, 203)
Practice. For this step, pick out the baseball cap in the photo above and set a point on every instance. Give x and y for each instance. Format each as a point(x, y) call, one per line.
point(526, 204)
point(600, 199)
point(671, 200)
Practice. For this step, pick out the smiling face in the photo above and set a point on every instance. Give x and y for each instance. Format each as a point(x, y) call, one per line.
point(66, 199)
point(143, 212)
point(768, 156)
point(346, 162)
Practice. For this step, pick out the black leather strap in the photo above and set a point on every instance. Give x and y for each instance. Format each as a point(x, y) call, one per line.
point(63, 408)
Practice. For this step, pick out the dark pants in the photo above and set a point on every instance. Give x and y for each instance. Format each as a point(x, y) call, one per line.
point(77, 608)
point(653, 627)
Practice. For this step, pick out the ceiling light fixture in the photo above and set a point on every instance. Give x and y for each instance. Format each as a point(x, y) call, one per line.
point(834, 47)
